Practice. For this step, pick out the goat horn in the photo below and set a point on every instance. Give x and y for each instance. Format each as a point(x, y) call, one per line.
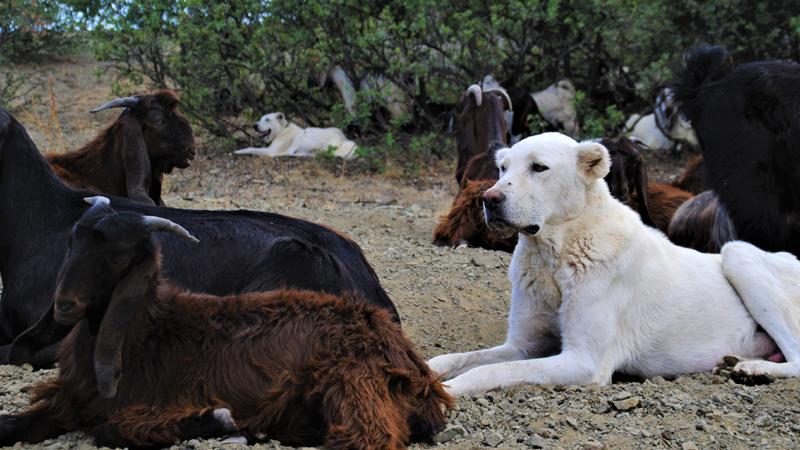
point(97, 200)
point(122, 102)
point(100, 207)
point(154, 223)
point(475, 90)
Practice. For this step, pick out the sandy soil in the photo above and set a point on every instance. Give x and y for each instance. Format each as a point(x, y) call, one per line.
point(449, 300)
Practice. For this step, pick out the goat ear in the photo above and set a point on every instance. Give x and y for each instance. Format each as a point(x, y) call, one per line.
point(135, 161)
point(641, 192)
point(125, 301)
point(593, 160)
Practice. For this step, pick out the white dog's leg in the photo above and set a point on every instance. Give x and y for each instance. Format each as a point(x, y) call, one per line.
point(258, 151)
point(565, 368)
point(769, 284)
point(455, 364)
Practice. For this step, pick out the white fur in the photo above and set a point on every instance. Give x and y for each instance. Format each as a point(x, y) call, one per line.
point(556, 103)
point(594, 291)
point(288, 139)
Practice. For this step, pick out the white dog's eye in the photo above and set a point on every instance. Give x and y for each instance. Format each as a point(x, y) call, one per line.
point(502, 168)
point(536, 167)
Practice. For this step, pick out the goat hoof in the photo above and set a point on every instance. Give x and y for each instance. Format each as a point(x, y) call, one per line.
point(237, 439)
point(224, 417)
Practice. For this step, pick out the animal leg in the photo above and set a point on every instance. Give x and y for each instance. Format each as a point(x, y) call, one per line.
point(146, 425)
point(34, 426)
point(769, 284)
point(454, 364)
point(565, 368)
point(361, 413)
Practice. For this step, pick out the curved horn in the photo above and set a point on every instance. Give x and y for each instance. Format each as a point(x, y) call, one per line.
point(475, 91)
point(154, 223)
point(502, 92)
point(97, 200)
point(122, 102)
point(99, 206)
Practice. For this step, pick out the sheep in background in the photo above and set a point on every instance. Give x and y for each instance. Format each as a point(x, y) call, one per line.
point(148, 363)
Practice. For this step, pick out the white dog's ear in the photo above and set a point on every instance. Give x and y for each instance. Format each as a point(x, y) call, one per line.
point(498, 157)
point(281, 119)
point(593, 160)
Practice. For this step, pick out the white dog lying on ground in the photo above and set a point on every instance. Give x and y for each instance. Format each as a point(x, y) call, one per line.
point(288, 139)
point(594, 291)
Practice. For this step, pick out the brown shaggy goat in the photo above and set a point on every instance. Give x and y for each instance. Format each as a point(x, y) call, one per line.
point(130, 157)
point(464, 223)
point(148, 363)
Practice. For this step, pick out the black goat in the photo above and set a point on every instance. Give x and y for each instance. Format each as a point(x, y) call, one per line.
point(747, 119)
point(151, 364)
point(241, 251)
point(130, 157)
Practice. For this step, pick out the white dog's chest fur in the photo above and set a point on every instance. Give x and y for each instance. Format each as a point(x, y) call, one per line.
point(578, 290)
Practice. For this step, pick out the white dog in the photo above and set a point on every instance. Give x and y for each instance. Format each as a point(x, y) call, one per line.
point(288, 139)
point(594, 291)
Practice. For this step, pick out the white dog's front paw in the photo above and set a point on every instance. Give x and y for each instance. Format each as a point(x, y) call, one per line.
point(244, 151)
point(471, 383)
point(444, 365)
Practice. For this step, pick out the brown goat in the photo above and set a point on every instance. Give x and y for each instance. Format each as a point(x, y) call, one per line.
point(702, 223)
point(482, 129)
point(693, 178)
point(130, 157)
point(663, 200)
point(464, 223)
point(151, 364)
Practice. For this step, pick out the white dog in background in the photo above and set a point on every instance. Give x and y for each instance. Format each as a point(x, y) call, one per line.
point(594, 291)
point(285, 138)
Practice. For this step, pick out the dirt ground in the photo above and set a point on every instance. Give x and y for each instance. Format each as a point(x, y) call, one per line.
point(449, 300)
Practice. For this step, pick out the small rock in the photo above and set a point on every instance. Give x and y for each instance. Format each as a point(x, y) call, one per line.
point(593, 445)
point(450, 433)
point(572, 422)
point(537, 442)
point(700, 425)
point(689, 445)
point(493, 439)
point(547, 433)
point(626, 404)
point(621, 395)
point(763, 421)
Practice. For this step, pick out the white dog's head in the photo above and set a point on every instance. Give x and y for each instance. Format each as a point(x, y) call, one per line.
point(543, 181)
point(270, 125)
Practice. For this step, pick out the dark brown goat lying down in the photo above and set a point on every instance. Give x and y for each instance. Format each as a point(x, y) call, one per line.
point(150, 364)
point(130, 157)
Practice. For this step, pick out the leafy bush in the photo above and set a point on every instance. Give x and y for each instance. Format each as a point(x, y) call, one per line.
point(235, 60)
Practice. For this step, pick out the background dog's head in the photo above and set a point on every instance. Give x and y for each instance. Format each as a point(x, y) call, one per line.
point(270, 125)
point(543, 181)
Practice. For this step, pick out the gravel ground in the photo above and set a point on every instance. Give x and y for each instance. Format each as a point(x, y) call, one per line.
point(449, 300)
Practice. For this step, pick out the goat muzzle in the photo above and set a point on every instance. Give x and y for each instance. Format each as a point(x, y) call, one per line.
point(68, 310)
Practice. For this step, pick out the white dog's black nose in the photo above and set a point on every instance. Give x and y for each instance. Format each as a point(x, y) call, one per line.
point(492, 199)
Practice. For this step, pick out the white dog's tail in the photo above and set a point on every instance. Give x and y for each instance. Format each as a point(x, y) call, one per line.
point(347, 150)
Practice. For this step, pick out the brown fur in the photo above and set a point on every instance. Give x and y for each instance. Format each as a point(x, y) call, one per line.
point(101, 165)
point(481, 130)
point(663, 201)
point(302, 367)
point(693, 178)
point(464, 223)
